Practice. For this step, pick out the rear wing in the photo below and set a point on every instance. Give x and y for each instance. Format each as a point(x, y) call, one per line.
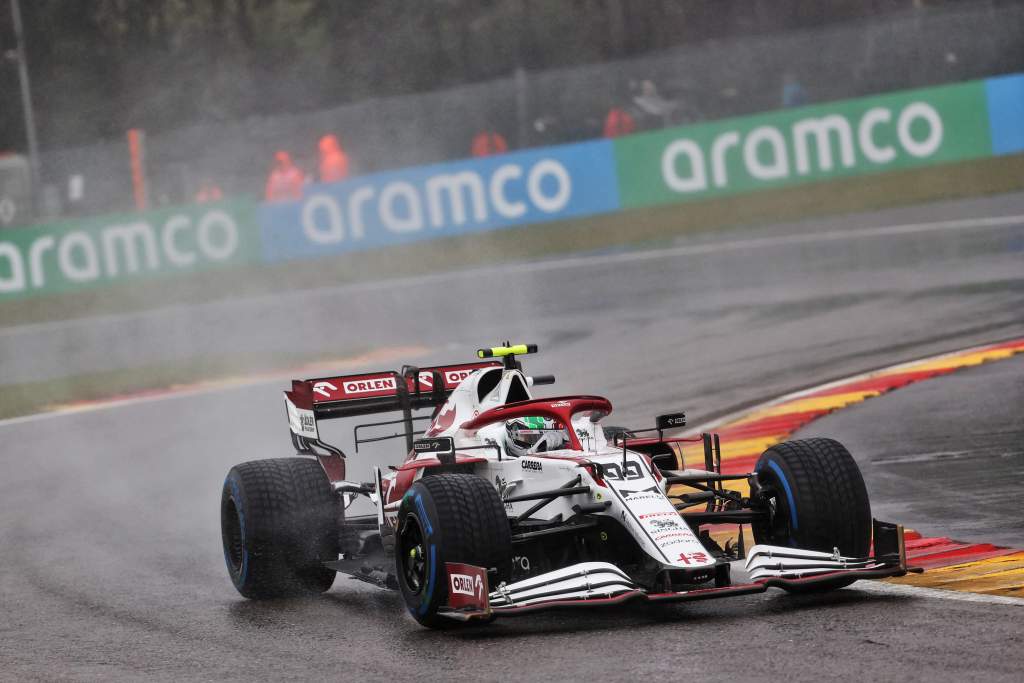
point(411, 389)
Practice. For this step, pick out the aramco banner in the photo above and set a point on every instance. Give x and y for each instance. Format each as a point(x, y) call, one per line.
point(443, 200)
point(790, 147)
point(58, 257)
point(775, 149)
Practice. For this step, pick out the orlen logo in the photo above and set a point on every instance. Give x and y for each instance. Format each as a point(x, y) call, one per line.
point(456, 376)
point(366, 386)
point(463, 584)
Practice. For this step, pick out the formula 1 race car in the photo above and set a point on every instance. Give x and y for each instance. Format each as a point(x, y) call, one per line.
point(508, 504)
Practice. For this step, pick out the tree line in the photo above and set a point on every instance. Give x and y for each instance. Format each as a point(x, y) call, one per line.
point(99, 67)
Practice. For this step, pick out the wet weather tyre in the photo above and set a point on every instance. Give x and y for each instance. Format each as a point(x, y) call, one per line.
point(278, 524)
point(816, 499)
point(448, 518)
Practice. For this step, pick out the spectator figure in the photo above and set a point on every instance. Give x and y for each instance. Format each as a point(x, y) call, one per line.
point(793, 93)
point(487, 143)
point(333, 160)
point(653, 106)
point(209, 191)
point(618, 122)
point(286, 179)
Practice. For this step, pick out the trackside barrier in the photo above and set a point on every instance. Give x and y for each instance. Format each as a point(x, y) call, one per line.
point(443, 200)
point(778, 149)
point(829, 141)
point(63, 256)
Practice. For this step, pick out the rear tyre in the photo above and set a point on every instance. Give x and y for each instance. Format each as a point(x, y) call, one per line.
point(448, 518)
point(816, 499)
point(278, 525)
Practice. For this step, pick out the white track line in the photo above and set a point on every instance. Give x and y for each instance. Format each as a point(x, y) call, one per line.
point(938, 593)
point(976, 223)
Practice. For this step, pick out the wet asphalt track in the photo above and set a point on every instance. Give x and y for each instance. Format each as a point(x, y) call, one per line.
point(110, 560)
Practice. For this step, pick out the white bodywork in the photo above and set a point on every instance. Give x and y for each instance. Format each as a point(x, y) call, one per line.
point(635, 493)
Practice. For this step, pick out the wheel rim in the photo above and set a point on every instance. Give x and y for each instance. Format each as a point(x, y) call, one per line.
point(777, 530)
point(234, 547)
point(412, 550)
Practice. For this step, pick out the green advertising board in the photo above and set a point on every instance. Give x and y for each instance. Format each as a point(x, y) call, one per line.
point(794, 146)
point(58, 257)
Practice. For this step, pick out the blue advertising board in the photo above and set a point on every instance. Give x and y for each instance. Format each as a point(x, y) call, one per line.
point(442, 200)
point(1006, 113)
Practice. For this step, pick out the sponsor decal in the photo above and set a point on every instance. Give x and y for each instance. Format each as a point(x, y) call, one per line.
point(301, 421)
point(694, 558)
point(660, 513)
point(793, 146)
point(322, 389)
point(442, 200)
point(50, 258)
point(636, 496)
point(368, 386)
point(467, 586)
point(455, 377)
point(663, 524)
point(464, 584)
point(671, 421)
point(531, 465)
point(522, 562)
point(560, 404)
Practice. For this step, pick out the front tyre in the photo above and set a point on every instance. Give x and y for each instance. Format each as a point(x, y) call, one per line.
point(816, 499)
point(278, 525)
point(448, 518)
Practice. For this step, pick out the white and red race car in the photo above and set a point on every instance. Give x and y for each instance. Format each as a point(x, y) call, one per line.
point(508, 504)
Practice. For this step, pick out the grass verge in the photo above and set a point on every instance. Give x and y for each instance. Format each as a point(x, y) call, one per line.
point(17, 400)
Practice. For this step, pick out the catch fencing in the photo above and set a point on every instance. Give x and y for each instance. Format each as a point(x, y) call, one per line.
point(711, 81)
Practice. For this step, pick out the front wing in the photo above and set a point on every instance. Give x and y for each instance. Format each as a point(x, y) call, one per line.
point(600, 584)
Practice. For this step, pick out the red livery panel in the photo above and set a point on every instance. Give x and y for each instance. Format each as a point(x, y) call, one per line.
point(384, 384)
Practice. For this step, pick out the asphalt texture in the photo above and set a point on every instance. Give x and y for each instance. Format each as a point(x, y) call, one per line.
point(111, 566)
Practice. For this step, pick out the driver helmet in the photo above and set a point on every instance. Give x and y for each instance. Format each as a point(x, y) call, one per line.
point(526, 435)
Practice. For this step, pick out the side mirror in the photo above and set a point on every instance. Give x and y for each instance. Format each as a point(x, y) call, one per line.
point(670, 421)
